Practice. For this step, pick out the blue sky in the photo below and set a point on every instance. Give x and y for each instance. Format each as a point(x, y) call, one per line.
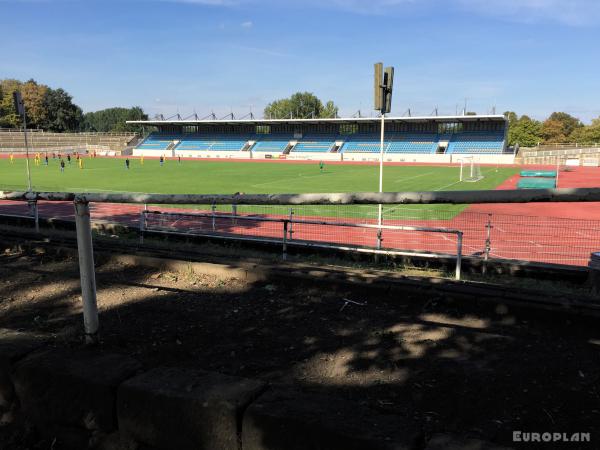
point(169, 56)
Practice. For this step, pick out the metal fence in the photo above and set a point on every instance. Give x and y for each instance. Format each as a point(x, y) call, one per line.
point(84, 234)
point(502, 236)
point(485, 235)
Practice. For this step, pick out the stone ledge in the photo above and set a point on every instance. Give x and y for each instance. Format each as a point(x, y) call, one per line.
point(185, 409)
point(70, 393)
point(14, 345)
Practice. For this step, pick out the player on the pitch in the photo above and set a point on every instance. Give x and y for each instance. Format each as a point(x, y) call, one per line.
point(69, 158)
point(162, 160)
point(11, 157)
point(142, 160)
point(80, 163)
point(321, 166)
point(62, 165)
point(127, 163)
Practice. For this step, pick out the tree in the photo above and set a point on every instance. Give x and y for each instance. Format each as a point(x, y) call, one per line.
point(303, 105)
point(569, 123)
point(8, 115)
point(62, 114)
point(553, 131)
point(511, 116)
point(113, 119)
point(33, 96)
point(524, 131)
point(587, 134)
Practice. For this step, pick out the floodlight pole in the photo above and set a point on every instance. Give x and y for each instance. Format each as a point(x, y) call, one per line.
point(380, 207)
point(26, 150)
point(20, 107)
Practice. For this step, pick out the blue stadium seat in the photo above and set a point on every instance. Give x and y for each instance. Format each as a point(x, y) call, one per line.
point(157, 141)
point(315, 143)
point(476, 142)
point(213, 142)
point(275, 143)
point(394, 143)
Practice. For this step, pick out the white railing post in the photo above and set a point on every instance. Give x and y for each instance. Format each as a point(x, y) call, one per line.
point(86, 271)
point(459, 239)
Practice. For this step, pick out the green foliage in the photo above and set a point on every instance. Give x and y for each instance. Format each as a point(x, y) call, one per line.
point(303, 105)
point(587, 134)
point(523, 131)
point(62, 113)
point(567, 122)
point(113, 119)
point(8, 115)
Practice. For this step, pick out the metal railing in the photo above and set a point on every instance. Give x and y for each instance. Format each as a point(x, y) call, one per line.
point(286, 232)
point(84, 231)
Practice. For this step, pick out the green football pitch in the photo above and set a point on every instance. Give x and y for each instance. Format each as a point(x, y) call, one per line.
point(228, 177)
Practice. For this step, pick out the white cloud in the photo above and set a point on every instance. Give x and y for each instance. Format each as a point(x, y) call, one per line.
point(247, 24)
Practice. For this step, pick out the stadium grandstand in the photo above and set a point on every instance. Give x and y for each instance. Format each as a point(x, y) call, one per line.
point(12, 141)
point(414, 139)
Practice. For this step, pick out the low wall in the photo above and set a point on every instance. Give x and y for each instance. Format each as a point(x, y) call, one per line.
point(84, 398)
point(322, 156)
point(589, 156)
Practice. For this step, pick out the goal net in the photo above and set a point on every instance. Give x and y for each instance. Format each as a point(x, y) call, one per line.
point(470, 171)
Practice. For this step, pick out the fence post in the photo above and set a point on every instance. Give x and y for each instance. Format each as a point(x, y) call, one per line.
point(86, 271)
point(33, 207)
point(459, 239)
point(488, 237)
point(291, 229)
point(284, 243)
point(142, 224)
point(213, 209)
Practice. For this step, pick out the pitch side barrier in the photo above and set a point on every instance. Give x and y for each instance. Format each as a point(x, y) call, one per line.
point(84, 232)
point(361, 198)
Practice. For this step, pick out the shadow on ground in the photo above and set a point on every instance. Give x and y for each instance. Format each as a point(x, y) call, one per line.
point(442, 364)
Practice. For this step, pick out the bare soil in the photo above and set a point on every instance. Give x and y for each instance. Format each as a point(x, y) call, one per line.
point(476, 369)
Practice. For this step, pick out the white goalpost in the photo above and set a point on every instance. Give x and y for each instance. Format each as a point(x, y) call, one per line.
point(470, 171)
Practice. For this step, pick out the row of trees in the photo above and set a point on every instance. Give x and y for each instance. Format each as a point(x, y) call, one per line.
point(560, 127)
point(53, 110)
point(301, 105)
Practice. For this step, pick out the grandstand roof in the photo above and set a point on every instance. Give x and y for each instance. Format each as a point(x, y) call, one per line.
point(476, 118)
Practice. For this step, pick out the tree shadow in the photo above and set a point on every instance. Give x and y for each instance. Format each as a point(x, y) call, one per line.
point(441, 363)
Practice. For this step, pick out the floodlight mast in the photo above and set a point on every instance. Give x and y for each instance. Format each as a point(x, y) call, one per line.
point(20, 108)
point(383, 84)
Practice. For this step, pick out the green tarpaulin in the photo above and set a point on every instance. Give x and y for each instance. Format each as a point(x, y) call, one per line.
point(539, 173)
point(536, 183)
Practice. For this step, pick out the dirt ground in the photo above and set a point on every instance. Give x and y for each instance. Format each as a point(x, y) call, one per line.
point(476, 369)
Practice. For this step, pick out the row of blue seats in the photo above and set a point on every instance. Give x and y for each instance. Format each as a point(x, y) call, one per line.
point(476, 142)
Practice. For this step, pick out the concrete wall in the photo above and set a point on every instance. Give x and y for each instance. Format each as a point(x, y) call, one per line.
point(577, 156)
point(84, 398)
point(318, 156)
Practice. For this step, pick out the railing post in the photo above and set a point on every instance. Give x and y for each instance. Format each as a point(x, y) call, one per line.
point(284, 242)
point(459, 239)
point(142, 224)
point(488, 238)
point(291, 229)
point(86, 271)
point(213, 208)
point(33, 207)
